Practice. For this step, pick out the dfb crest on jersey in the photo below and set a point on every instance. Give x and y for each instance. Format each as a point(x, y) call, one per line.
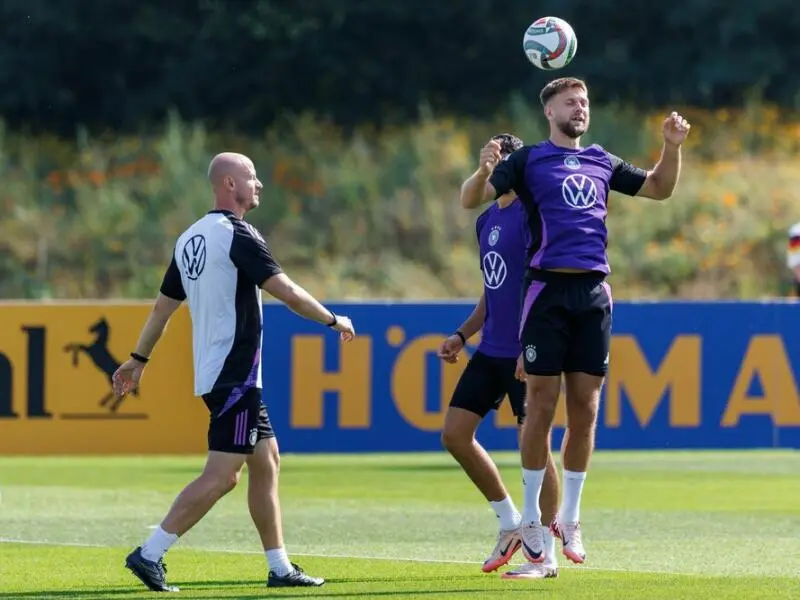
point(494, 235)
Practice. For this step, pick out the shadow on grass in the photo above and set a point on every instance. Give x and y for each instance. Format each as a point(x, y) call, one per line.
point(396, 591)
point(329, 590)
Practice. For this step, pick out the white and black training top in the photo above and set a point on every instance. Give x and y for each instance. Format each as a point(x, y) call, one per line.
point(219, 265)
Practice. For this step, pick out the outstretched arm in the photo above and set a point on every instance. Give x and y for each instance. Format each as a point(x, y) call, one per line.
point(156, 324)
point(297, 299)
point(250, 253)
point(172, 294)
point(662, 179)
point(170, 297)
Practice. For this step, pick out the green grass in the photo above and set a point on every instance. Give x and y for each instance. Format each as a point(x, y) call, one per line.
point(656, 525)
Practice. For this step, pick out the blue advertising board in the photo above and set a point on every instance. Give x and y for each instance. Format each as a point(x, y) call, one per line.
point(682, 375)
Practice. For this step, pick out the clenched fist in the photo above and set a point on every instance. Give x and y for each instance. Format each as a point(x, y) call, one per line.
point(490, 156)
point(676, 128)
point(450, 349)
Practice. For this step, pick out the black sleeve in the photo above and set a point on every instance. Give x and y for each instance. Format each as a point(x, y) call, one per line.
point(478, 228)
point(171, 285)
point(509, 174)
point(625, 178)
point(479, 223)
point(251, 255)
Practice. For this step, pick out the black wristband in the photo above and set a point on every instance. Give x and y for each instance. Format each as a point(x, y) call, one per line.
point(334, 321)
point(140, 358)
point(461, 335)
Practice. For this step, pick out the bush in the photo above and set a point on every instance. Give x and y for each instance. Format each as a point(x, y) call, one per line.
point(376, 213)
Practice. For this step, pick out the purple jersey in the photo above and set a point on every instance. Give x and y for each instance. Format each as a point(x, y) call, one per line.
point(565, 194)
point(503, 239)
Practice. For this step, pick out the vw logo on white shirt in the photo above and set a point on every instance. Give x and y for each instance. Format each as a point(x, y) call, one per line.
point(193, 257)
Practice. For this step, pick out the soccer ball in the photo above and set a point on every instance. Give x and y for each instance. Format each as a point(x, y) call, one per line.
point(550, 43)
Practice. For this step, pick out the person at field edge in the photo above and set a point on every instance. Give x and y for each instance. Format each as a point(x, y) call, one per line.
point(495, 371)
point(220, 265)
point(565, 325)
point(793, 257)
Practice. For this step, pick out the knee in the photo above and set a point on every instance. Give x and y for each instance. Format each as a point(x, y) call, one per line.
point(222, 483)
point(540, 405)
point(582, 417)
point(540, 415)
point(265, 463)
point(455, 440)
point(232, 481)
point(543, 390)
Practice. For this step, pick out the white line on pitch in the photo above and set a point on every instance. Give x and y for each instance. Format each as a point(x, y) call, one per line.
point(341, 556)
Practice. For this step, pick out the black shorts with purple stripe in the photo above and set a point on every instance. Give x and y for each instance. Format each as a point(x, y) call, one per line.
point(239, 420)
point(565, 326)
point(486, 380)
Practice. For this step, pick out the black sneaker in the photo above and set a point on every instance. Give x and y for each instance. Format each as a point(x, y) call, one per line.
point(296, 578)
point(152, 574)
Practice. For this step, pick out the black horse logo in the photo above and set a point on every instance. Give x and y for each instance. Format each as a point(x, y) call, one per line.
point(98, 352)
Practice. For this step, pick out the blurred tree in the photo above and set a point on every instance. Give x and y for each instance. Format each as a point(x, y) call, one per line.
point(122, 65)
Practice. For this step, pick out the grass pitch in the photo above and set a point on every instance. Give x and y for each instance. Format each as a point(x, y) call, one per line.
point(656, 525)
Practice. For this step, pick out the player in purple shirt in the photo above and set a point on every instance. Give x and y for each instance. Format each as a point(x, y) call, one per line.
point(565, 326)
point(495, 370)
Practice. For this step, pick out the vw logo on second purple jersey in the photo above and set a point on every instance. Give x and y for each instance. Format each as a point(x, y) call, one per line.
point(494, 270)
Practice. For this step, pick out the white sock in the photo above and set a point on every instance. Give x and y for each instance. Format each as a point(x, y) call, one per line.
point(570, 511)
point(156, 546)
point(507, 513)
point(532, 485)
point(550, 559)
point(278, 561)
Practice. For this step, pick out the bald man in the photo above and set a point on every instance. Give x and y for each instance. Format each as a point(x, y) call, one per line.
point(233, 179)
point(220, 265)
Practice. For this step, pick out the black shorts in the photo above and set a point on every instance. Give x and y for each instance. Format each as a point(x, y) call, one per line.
point(486, 380)
point(565, 326)
point(239, 427)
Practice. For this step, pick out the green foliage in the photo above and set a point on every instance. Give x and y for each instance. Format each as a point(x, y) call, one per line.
point(376, 213)
point(120, 65)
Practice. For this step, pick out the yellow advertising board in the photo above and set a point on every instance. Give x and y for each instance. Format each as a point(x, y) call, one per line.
point(678, 379)
point(56, 363)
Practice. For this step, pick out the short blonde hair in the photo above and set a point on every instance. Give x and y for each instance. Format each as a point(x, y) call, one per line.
point(559, 85)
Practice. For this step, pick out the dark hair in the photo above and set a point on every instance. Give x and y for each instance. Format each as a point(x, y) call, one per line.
point(508, 143)
point(559, 85)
